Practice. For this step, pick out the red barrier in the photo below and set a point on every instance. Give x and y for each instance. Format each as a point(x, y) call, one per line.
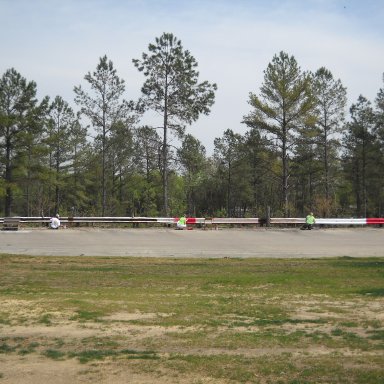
point(375, 220)
point(190, 220)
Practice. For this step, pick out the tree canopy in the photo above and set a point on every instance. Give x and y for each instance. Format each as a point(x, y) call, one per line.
point(172, 89)
point(302, 150)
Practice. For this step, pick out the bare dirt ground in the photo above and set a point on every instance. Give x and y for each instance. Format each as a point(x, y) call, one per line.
point(167, 242)
point(34, 367)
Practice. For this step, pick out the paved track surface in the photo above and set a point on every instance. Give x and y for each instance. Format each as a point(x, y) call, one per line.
point(166, 242)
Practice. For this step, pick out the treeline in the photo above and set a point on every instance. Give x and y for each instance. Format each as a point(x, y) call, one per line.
point(301, 152)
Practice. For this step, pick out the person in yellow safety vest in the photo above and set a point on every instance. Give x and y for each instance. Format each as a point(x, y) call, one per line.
point(309, 221)
point(182, 223)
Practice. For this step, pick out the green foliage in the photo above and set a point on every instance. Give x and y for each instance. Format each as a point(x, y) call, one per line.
point(45, 319)
point(20, 124)
point(54, 354)
point(83, 315)
point(172, 90)
point(91, 355)
point(284, 109)
point(106, 110)
point(330, 108)
point(299, 154)
point(363, 159)
point(5, 348)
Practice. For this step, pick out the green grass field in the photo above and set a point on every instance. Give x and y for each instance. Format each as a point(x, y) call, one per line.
point(198, 320)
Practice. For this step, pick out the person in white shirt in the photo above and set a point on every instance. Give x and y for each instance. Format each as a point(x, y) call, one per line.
point(54, 223)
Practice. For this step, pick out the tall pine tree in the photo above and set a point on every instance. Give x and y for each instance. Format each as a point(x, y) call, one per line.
point(172, 89)
point(20, 116)
point(105, 107)
point(285, 106)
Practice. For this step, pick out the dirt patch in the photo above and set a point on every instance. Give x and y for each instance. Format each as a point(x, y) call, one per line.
point(20, 366)
point(125, 316)
point(37, 370)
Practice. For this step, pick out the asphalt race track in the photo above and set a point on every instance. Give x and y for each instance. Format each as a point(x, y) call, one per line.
point(168, 242)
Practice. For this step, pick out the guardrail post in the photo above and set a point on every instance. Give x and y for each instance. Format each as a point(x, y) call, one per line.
point(11, 223)
point(268, 216)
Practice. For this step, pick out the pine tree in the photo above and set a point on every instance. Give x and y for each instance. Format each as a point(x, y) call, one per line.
point(20, 114)
point(62, 119)
point(362, 156)
point(379, 115)
point(229, 156)
point(104, 107)
point(285, 106)
point(191, 156)
point(172, 89)
point(262, 166)
point(330, 106)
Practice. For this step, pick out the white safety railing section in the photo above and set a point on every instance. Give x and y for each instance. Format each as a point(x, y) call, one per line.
point(342, 221)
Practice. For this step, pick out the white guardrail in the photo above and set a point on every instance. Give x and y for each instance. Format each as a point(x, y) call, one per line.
point(214, 221)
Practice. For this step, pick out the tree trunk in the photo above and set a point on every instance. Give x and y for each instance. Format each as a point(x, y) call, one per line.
point(104, 195)
point(165, 170)
point(285, 173)
point(326, 164)
point(165, 153)
point(8, 178)
point(57, 189)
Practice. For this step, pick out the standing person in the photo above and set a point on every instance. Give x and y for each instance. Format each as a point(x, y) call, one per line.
point(54, 223)
point(182, 223)
point(309, 221)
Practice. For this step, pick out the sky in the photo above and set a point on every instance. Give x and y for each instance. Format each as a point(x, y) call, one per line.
point(57, 42)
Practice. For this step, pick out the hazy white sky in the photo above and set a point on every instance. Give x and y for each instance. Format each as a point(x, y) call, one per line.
point(56, 42)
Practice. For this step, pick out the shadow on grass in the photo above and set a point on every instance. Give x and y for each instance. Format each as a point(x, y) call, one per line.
point(94, 354)
point(375, 292)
